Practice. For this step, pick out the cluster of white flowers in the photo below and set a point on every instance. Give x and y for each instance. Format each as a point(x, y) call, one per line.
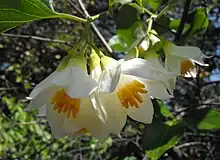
point(75, 102)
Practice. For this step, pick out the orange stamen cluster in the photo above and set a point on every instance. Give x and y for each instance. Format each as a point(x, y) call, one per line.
point(129, 94)
point(186, 66)
point(65, 104)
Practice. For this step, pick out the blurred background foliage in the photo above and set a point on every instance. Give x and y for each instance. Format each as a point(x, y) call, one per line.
point(26, 60)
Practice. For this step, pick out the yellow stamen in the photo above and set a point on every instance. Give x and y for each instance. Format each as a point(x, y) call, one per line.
point(65, 104)
point(129, 94)
point(186, 66)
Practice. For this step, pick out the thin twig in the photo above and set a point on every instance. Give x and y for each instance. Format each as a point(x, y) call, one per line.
point(75, 7)
point(96, 30)
point(189, 144)
point(36, 38)
point(8, 89)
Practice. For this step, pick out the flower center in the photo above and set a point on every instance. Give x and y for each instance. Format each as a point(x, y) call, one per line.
point(129, 94)
point(186, 66)
point(65, 104)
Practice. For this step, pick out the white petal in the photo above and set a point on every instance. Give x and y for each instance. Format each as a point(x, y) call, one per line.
point(98, 129)
point(199, 61)
point(170, 85)
point(96, 73)
point(43, 98)
point(143, 114)
point(84, 116)
point(42, 111)
point(173, 63)
point(116, 113)
point(110, 77)
point(46, 83)
point(98, 106)
point(61, 77)
point(185, 51)
point(158, 90)
point(77, 83)
point(88, 119)
point(145, 44)
point(55, 121)
point(145, 69)
point(154, 39)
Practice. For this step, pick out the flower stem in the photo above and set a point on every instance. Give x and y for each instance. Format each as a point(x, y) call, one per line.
point(150, 22)
point(163, 12)
point(72, 17)
point(142, 9)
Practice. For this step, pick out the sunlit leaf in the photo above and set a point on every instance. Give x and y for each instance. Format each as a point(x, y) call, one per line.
point(117, 43)
point(14, 13)
point(174, 24)
point(165, 111)
point(200, 22)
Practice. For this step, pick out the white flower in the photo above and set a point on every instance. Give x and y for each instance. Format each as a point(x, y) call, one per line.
point(64, 99)
point(181, 59)
point(85, 121)
point(130, 85)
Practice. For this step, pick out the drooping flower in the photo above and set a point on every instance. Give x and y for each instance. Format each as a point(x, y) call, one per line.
point(131, 84)
point(182, 59)
point(64, 96)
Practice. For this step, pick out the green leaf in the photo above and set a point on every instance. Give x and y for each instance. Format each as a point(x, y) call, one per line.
point(48, 3)
point(162, 25)
point(129, 35)
point(16, 12)
point(153, 4)
point(160, 137)
point(200, 22)
point(118, 44)
point(197, 21)
point(174, 24)
point(203, 119)
point(165, 111)
point(126, 17)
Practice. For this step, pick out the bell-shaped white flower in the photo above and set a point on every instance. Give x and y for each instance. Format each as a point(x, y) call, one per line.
point(64, 98)
point(79, 122)
point(181, 59)
point(130, 85)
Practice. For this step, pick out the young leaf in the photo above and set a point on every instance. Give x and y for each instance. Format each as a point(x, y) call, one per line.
point(16, 12)
point(199, 23)
point(165, 111)
point(117, 44)
point(159, 137)
point(174, 24)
